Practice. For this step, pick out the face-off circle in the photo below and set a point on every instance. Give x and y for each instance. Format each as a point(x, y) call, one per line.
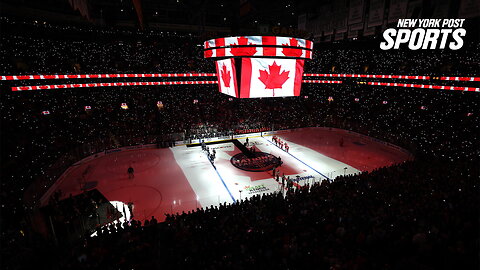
point(258, 162)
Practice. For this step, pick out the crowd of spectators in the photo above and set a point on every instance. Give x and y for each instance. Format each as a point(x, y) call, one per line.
point(38, 48)
point(393, 218)
point(353, 59)
point(415, 215)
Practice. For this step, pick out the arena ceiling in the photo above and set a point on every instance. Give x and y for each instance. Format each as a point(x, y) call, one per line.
point(151, 13)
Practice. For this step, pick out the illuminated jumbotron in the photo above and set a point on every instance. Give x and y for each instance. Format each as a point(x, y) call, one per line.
point(247, 67)
point(259, 66)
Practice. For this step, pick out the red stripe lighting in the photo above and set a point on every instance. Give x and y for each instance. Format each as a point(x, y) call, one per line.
point(101, 76)
point(83, 85)
point(468, 79)
point(173, 75)
point(440, 87)
point(258, 52)
point(320, 81)
point(258, 41)
point(258, 46)
point(368, 76)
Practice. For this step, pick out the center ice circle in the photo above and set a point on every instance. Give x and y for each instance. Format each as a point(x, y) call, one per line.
point(257, 162)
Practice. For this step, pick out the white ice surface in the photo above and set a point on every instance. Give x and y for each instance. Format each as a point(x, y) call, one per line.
point(210, 190)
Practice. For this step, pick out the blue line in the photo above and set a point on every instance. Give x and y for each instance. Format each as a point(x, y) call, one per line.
point(297, 158)
point(231, 196)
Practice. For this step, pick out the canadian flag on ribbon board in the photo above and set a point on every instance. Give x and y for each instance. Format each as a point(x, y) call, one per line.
point(265, 77)
point(227, 80)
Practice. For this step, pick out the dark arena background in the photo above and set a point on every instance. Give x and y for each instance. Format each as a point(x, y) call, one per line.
point(215, 134)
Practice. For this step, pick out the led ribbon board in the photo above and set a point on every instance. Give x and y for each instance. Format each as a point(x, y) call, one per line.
point(102, 76)
point(258, 46)
point(87, 85)
point(407, 77)
point(427, 86)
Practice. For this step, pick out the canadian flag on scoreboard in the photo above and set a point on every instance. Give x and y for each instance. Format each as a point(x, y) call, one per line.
point(263, 77)
point(227, 80)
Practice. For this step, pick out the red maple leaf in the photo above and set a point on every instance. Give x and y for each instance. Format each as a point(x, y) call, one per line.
point(207, 53)
point(225, 74)
point(274, 79)
point(292, 51)
point(243, 51)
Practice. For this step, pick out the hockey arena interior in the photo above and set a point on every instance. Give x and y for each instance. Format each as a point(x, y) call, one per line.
point(215, 134)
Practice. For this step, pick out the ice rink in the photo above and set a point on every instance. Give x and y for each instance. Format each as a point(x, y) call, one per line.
point(181, 178)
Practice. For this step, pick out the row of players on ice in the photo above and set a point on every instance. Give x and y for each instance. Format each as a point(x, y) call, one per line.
point(278, 142)
point(211, 155)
